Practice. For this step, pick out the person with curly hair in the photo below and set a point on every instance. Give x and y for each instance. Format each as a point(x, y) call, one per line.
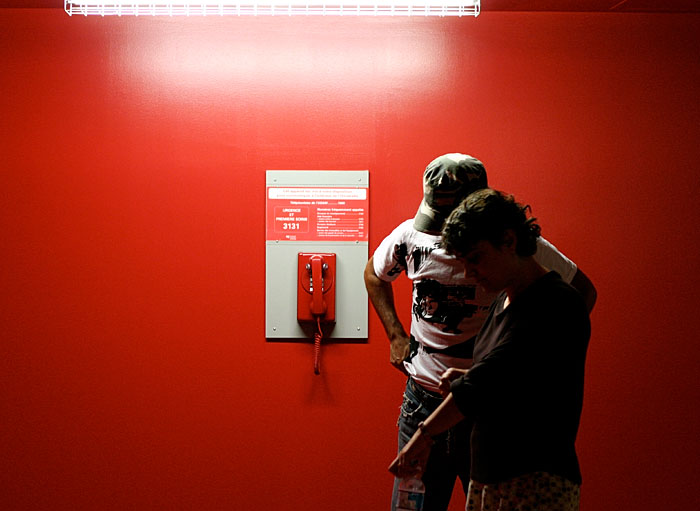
point(524, 391)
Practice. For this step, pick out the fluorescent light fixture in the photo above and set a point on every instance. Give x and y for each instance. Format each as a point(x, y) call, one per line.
point(273, 7)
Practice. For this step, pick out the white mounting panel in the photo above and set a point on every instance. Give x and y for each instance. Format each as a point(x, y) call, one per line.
point(281, 265)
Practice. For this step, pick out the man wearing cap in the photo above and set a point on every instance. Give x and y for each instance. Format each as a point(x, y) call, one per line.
point(447, 312)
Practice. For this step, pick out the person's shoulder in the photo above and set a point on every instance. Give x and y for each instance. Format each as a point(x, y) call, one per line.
point(554, 284)
point(560, 296)
point(406, 231)
point(405, 227)
point(551, 258)
point(401, 231)
point(553, 308)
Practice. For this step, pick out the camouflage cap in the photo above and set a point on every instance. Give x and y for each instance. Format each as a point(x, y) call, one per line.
point(447, 180)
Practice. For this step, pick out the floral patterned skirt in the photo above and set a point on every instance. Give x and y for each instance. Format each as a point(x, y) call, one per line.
point(538, 491)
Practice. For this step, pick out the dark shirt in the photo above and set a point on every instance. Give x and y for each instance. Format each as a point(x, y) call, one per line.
point(525, 389)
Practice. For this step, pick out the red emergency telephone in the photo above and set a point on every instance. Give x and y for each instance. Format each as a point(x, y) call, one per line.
point(316, 295)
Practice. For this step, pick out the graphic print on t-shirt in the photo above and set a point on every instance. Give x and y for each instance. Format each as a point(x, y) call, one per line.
point(420, 255)
point(400, 253)
point(443, 305)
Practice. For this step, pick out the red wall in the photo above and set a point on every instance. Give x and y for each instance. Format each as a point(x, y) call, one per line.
point(134, 369)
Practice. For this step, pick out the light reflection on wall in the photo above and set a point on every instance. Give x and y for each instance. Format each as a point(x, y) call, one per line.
point(263, 56)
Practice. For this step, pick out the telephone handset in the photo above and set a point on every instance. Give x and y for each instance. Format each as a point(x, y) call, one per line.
point(316, 294)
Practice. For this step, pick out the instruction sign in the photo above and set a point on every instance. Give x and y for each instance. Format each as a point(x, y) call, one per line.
point(316, 213)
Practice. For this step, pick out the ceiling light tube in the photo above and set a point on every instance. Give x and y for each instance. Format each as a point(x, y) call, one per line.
point(273, 7)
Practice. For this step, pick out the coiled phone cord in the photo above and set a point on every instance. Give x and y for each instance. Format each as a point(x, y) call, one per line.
point(317, 347)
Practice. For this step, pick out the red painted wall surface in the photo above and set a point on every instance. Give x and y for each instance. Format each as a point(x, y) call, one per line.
point(134, 369)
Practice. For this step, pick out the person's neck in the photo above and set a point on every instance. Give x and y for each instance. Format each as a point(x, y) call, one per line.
point(528, 272)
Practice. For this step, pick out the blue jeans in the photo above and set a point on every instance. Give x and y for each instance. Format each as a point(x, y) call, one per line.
point(449, 457)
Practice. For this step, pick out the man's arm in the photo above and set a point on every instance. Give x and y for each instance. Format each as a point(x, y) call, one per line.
point(381, 294)
point(584, 286)
point(413, 458)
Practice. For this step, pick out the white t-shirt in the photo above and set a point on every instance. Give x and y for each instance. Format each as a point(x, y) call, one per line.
point(448, 308)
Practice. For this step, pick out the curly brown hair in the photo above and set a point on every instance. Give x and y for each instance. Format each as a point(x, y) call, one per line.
point(485, 215)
